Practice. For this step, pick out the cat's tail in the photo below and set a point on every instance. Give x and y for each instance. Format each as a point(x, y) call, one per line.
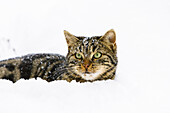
point(31, 66)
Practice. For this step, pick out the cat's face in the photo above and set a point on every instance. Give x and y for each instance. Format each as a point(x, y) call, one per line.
point(92, 58)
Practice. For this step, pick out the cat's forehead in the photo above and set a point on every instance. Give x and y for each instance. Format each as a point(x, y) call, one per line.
point(87, 45)
point(86, 40)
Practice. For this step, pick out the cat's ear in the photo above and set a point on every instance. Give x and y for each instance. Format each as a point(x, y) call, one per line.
point(71, 39)
point(109, 37)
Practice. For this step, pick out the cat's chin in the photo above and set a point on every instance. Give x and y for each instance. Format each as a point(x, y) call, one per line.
point(90, 76)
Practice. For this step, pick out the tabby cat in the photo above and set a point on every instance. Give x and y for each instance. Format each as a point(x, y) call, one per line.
point(88, 59)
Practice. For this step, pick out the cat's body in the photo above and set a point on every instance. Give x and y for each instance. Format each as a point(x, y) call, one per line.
point(88, 59)
point(46, 66)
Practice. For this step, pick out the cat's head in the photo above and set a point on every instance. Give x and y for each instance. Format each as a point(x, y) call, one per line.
point(92, 58)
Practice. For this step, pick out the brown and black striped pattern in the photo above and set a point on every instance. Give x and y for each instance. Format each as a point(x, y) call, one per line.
point(46, 66)
point(97, 61)
point(89, 68)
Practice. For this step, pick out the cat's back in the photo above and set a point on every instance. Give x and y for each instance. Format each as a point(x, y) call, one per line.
point(30, 66)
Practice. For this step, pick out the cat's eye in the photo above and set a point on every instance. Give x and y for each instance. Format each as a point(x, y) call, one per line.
point(78, 56)
point(97, 55)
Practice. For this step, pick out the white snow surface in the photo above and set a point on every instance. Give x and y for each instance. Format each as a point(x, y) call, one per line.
point(142, 84)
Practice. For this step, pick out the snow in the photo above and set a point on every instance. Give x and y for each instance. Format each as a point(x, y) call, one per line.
point(142, 30)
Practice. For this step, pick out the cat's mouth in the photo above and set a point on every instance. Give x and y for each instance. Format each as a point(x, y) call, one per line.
point(90, 76)
point(86, 72)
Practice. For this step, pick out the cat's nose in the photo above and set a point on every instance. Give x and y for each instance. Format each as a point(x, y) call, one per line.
point(86, 64)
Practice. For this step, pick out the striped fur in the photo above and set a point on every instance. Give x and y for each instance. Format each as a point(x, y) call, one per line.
point(46, 66)
point(89, 68)
point(52, 67)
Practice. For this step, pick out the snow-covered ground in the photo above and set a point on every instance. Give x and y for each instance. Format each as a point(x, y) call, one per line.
point(142, 84)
